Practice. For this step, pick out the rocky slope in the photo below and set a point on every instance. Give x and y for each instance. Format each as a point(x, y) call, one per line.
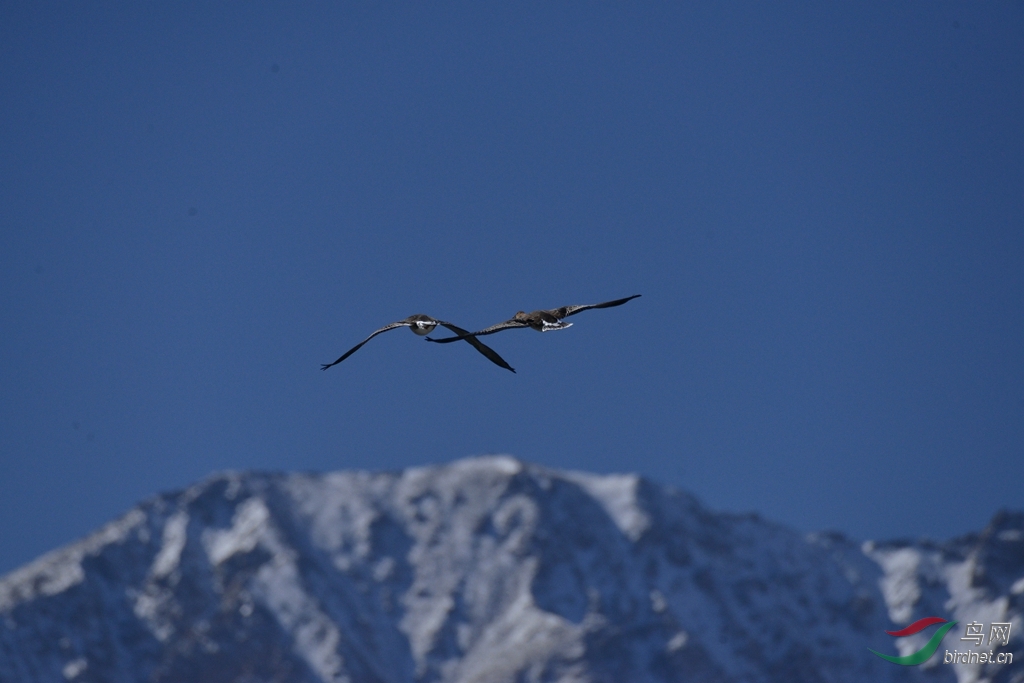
point(491, 570)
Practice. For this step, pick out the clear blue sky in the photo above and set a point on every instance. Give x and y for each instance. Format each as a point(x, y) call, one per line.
point(821, 204)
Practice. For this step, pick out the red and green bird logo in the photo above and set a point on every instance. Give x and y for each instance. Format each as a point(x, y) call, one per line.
point(930, 647)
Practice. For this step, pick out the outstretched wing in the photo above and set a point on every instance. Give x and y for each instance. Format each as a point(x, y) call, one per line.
point(487, 351)
point(566, 311)
point(507, 325)
point(360, 344)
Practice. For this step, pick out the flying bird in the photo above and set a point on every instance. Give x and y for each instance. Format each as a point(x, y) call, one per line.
point(423, 325)
point(542, 321)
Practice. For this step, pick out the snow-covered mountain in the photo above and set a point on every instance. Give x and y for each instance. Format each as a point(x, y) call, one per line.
point(492, 570)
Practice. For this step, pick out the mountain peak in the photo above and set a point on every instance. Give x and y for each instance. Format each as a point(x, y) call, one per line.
point(484, 569)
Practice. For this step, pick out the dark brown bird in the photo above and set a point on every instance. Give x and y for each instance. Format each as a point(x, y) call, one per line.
point(422, 325)
point(542, 321)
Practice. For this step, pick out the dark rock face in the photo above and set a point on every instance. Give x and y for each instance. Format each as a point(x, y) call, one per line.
point(490, 570)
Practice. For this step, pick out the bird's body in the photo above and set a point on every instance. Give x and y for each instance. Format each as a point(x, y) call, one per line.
point(423, 325)
point(542, 321)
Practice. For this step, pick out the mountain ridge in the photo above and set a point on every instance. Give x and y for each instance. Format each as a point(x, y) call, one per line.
point(489, 569)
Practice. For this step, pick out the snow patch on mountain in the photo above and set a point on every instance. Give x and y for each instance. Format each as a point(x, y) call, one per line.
point(56, 571)
point(617, 493)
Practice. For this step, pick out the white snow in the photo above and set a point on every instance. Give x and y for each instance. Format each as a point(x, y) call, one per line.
point(316, 637)
point(245, 532)
point(900, 582)
point(175, 530)
point(73, 668)
point(617, 495)
point(677, 642)
point(61, 569)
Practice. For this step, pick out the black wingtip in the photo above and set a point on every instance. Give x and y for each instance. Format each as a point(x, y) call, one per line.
point(324, 366)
